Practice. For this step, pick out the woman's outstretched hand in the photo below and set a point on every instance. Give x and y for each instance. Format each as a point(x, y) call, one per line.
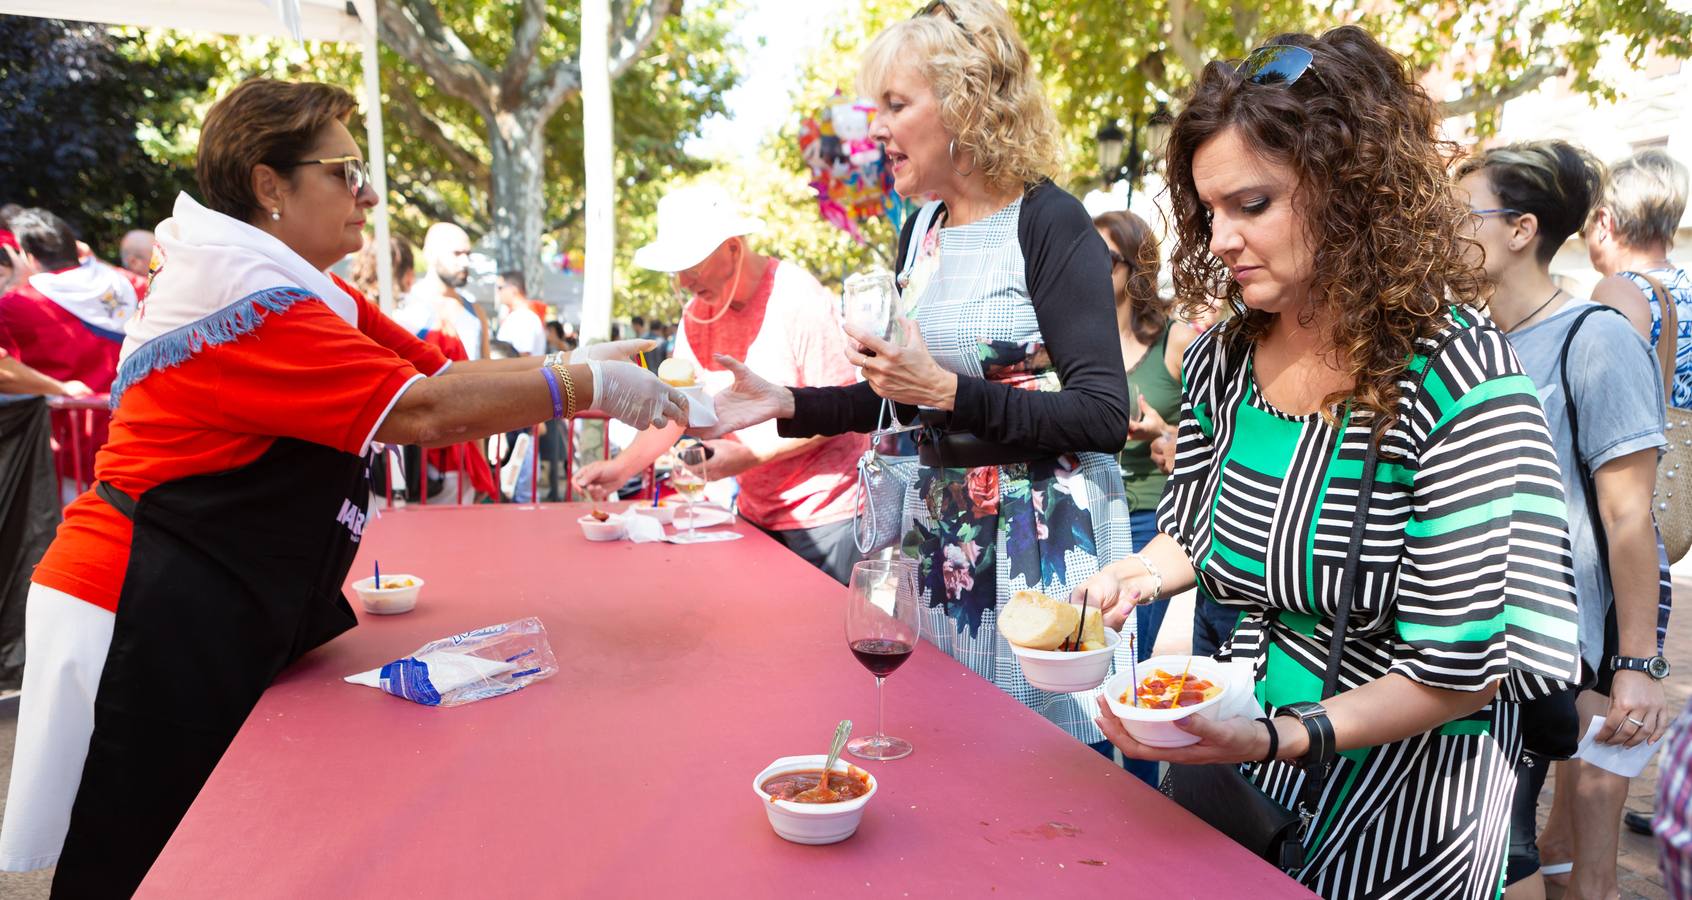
point(747, 402)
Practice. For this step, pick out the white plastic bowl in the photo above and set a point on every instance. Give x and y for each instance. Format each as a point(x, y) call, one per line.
point(1067, 672)
point(595, 530)
point(1156, 727)
point(664, 514)
point(812, 823)
point(387, 601)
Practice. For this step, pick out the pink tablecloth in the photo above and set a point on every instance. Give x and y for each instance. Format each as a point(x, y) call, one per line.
point(684, 671)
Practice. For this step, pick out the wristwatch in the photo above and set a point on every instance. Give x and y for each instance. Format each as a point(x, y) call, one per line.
point(1321, 731)
point(1655, 666)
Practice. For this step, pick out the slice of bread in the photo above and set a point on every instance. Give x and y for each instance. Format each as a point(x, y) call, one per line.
point(1033, 620)
point(1092, 633)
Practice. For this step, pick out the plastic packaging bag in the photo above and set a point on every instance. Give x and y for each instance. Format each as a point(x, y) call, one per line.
point(468, 667)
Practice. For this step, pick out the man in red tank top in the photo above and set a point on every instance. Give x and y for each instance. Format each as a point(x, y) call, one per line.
point(779, 320)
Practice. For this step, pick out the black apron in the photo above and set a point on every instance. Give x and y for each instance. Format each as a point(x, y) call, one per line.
point(231, 577)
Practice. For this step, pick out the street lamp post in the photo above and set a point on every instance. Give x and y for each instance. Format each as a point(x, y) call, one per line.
point(1113, 167)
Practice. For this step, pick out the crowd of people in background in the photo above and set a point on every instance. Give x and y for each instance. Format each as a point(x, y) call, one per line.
point(1374, 417)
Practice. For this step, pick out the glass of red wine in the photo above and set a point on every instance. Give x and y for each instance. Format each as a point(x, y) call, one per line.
point(882, 627)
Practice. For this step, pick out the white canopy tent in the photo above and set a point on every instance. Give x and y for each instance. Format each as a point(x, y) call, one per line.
point(345, 21)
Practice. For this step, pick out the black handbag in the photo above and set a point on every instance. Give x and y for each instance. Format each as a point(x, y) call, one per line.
point(1219, 793)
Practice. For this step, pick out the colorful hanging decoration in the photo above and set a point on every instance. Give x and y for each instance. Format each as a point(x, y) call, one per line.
point(569, 262)
point(848, 169)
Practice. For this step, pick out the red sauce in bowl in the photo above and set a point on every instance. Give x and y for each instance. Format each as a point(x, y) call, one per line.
point(789, 785)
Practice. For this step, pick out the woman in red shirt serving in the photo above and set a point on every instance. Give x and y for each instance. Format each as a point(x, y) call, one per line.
point(231, 495)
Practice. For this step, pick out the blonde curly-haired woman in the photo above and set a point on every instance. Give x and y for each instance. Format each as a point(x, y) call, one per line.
point(1012, 363)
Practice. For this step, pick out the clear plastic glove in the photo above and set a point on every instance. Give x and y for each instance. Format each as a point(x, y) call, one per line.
point(618, 351)
point(631, 394)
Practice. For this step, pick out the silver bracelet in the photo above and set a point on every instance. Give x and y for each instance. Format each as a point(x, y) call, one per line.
point(1157, 577)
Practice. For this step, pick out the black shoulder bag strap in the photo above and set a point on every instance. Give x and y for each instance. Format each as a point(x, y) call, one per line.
point(1309, 799)
point(1586, 481)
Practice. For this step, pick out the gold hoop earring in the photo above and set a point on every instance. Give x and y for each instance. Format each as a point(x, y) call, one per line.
point(951, 154)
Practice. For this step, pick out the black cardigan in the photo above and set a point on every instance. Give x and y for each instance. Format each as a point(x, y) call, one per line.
point(1074, 301)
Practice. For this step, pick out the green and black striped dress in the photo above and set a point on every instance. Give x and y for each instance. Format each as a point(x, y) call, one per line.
point(1467, 581)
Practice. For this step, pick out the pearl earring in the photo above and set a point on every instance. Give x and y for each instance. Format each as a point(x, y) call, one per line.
point(276, 215)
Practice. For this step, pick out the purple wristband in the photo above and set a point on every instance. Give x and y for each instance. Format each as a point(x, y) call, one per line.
point(552, 385)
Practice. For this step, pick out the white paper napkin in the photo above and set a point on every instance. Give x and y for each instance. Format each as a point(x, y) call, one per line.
point(708, 517)
point(1627, 762)
point(701, 409)
point(1241, 699)
point(640, 529)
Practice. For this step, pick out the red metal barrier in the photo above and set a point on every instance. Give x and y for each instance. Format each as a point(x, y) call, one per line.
point(76, 417)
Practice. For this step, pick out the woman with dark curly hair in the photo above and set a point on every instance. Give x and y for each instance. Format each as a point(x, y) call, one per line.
point(1309, 191)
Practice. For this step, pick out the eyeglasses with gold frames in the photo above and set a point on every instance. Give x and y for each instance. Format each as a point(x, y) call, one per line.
point(355, 170)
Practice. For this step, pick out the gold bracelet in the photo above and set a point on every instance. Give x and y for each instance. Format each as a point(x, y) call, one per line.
point(569, 385)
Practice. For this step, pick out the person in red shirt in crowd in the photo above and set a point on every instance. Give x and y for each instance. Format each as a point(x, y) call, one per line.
point(65, 320)
point(232, 495)
point(776, 317)
point(15, 376)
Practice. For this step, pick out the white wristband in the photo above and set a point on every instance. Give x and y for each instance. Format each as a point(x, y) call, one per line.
point(1157, 578)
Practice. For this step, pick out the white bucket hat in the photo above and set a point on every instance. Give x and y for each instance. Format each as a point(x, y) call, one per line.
point(692, 222)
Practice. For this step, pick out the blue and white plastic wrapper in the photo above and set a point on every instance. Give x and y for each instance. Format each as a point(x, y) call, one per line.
point(468, 667)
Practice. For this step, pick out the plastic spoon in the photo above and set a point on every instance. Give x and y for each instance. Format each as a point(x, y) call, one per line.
point(821, 793)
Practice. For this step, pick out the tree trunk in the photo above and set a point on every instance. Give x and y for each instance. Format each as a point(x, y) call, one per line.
point(516, 192)
point(597, 157)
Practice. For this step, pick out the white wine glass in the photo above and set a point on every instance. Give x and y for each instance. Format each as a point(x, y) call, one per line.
point(689, 479)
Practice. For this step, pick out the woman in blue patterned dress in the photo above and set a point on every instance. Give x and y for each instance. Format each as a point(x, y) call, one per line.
point(1308, 190)
point(1628, 239)
point(1009, 358)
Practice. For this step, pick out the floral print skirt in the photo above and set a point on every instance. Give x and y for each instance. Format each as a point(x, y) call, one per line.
point(980, 535)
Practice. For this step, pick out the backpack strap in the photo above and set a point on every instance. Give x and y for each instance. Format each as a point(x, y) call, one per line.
point(1586, 482)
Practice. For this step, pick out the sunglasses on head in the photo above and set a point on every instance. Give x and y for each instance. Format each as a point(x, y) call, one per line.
point(1275, 64)
point(944, 7)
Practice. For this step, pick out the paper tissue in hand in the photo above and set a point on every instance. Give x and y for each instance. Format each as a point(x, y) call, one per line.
point(468, 667)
